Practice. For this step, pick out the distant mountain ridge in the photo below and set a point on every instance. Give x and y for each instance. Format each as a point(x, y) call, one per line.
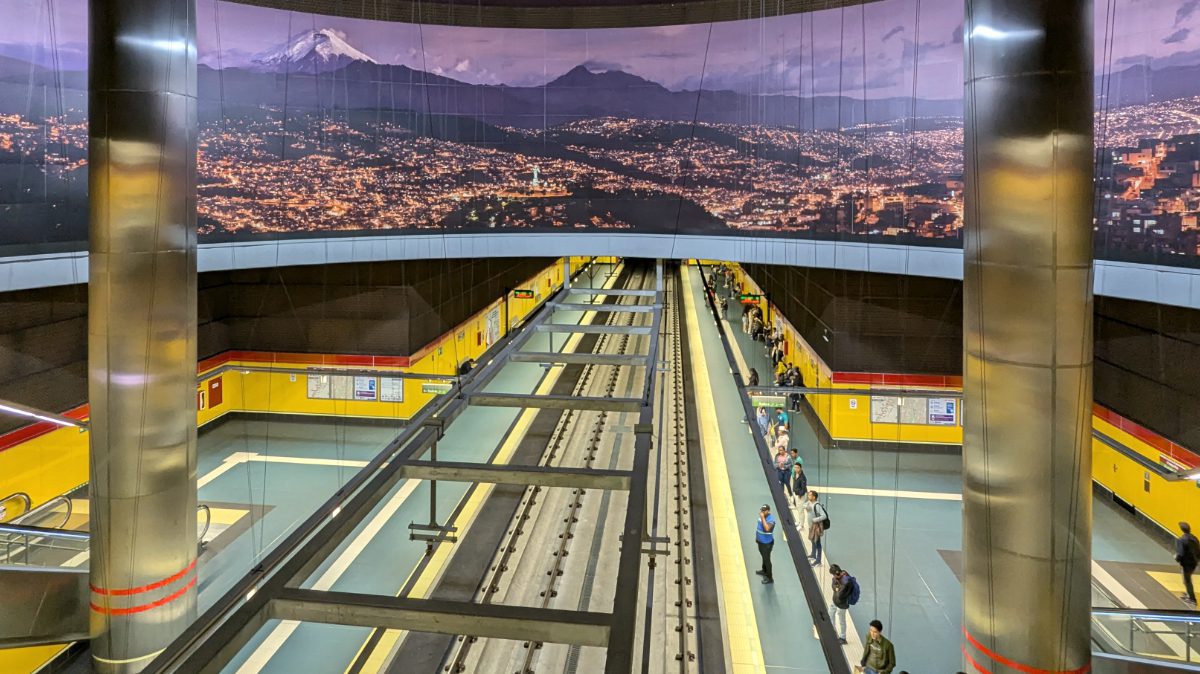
point(320, 68)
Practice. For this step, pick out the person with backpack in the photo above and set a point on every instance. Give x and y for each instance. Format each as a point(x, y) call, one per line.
point(846, 592)
point(818, 525)
point(1187, 554)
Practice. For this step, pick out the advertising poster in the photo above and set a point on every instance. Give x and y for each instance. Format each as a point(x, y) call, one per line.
point(365, 388)
point(943, 411)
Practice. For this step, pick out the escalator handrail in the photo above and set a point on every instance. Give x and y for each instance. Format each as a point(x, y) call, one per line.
point(20, 519)
point(1159, 615)
point(29, 530)
point(23, 496)
point(207, 519)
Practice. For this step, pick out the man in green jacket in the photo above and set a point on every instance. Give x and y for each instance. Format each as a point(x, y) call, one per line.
point(879, 656)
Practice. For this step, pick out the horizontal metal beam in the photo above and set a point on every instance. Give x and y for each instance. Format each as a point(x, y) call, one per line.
point(579, 358)
point(555, 402)
point(612, 292)
point(494, 473)
point(609, 308)
point(594, 329)
point(496, 621)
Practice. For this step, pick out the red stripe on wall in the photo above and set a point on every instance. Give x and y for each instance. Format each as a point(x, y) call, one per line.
point(897, 380)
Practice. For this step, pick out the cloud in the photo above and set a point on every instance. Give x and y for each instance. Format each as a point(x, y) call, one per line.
point(462, 66)
point(894, 31)
point(1178, 36)
point(1185, 10)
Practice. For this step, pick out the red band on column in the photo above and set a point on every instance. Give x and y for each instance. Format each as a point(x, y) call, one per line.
point(978, 667)
point(1016, 665)
point(146, 588)
point(144, 607)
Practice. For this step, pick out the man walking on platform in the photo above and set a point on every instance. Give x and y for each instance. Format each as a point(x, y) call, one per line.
point(764, 535)
point(1187, 554)
point(879, 656)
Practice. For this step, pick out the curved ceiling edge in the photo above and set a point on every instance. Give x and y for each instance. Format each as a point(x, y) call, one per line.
point(1176, 286)
point(553, 13)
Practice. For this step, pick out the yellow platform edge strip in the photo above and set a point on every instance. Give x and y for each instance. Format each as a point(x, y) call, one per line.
point(741, 625)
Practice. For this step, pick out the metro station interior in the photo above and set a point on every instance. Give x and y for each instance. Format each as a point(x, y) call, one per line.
point(582, 336)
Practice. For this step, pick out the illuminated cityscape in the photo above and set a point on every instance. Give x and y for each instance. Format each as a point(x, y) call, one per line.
point(329, 175)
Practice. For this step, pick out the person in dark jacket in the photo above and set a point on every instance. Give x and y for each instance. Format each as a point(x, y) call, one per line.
point(753, 380)
point(1187, 554)
point(843, 590)
point(799, 485)
point(879, 656)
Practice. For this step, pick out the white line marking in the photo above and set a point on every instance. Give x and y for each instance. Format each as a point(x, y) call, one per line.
point(275, 640)
point(892, 493)
point(238, 458)
point(1128, 600)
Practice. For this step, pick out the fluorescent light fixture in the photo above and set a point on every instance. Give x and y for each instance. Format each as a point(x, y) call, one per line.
point(1192, 475)
point(250, 594)
point(985, 32)
point(28, 414)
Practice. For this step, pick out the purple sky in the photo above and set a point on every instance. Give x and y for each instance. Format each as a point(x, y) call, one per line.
point(771, 56)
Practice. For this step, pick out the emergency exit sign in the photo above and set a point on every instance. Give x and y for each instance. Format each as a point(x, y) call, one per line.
point(523, 294)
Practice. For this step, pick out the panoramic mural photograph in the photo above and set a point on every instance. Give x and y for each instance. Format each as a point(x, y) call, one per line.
point(843, 124)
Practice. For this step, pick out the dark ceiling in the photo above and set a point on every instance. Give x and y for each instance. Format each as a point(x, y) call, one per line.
point(553, 13)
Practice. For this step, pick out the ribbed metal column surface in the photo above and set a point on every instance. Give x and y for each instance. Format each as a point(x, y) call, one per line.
point(142, 326)
point(1028, 335)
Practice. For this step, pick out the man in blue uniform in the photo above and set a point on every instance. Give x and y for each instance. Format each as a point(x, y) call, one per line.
point(764, 535)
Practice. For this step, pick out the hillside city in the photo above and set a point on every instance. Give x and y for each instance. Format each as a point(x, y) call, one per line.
point(881, 180)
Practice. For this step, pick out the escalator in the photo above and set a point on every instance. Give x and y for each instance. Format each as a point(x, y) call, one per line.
point(44, 575)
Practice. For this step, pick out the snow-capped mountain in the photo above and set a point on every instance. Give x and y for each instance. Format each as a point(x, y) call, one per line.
point(313, 51)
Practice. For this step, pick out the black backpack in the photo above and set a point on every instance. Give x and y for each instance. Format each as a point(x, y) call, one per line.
point(825, 523)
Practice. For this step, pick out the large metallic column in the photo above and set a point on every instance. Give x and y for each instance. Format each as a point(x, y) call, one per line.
point(142, 326)
point(1028, 336)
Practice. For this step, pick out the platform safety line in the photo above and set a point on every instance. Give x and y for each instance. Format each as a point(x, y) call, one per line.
point(275, 640)
point(744, 642)
point(441, 556)
point(892, 493)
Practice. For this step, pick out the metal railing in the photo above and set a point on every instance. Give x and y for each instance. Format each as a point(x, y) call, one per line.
point(25, 545)
point(1163, 635)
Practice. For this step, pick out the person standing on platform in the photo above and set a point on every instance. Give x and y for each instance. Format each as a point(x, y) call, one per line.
point(879, 656)
point(799, 486)
point(846, 592)
point(781, 418)
point(764, 536)
point(1187, 554)
point(818, 523)
point(783, 467)
point(753, 380)
point(764, 421)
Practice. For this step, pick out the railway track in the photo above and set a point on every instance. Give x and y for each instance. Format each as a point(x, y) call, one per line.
point(561, 548)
